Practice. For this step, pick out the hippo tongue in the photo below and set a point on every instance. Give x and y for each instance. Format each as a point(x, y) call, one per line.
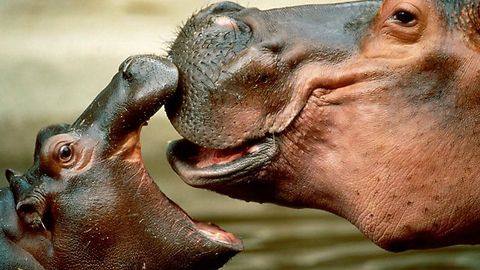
point(207, 157)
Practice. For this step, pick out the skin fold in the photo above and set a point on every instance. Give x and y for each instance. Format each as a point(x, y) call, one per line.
point(369, 110)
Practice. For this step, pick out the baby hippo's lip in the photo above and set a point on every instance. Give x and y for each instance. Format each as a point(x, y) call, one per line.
point(213, 233)
point(205, 237)
point(217, 234)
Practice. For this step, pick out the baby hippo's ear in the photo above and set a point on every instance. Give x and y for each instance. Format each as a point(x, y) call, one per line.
point(139, 89)
point(9, 174)
point(30, 201)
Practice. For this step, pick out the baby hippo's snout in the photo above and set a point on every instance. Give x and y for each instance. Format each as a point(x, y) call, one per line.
point(140, 88)
point(146, 72)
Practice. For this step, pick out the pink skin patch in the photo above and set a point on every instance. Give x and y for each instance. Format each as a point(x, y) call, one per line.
point(213, 231)
point(225, 22)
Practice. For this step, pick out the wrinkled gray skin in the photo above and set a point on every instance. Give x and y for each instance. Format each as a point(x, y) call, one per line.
point(88, 201)
point(369, 110)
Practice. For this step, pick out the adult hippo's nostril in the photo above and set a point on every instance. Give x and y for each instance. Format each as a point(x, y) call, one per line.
point(224, 7)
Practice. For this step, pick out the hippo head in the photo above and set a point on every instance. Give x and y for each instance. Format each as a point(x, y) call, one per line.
point(369, 110)
point(90, 197)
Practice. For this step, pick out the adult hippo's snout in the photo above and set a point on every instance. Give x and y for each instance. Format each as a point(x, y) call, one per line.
point(243, 64)
point(368, 110)
point(240, 64)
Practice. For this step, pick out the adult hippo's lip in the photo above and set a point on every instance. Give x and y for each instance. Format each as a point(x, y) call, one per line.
point(201, 166)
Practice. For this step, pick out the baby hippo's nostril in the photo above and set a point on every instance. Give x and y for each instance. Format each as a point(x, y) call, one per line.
point(123, 69)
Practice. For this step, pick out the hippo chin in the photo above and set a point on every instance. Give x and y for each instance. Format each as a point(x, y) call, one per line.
point(89, 203)
point(369, 110)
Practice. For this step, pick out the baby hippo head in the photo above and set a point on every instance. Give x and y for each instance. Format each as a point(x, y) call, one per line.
point(88, 192)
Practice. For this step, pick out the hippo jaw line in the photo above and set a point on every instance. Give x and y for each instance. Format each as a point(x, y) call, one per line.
point(201, 166)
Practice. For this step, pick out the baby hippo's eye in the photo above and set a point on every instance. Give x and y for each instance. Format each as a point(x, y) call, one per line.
point(65, 153)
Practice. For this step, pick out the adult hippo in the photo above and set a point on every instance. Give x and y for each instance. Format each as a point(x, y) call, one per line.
point(89, 203)
point(369, 110)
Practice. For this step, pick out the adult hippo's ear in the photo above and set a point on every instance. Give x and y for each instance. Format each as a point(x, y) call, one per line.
point(130, 99)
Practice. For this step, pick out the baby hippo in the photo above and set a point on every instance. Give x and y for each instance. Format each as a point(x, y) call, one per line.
point(89, 203)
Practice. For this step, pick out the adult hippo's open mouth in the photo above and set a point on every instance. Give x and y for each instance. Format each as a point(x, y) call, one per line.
point(369, 110)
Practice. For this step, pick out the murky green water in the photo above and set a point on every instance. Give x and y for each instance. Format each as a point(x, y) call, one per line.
point(57, 55)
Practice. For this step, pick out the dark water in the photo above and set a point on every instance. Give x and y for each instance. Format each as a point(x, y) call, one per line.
point(311, 240)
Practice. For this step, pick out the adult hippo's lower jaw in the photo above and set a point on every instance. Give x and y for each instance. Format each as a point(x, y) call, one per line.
point(88, 201)
point(368, 110)
point(207, 167)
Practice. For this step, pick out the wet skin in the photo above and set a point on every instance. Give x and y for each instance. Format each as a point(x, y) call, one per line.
point(88, 202)
point(369, 110)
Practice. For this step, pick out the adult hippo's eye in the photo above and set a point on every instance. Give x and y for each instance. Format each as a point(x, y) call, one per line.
point(65, 153)
point(405, 22)
point(404, 17)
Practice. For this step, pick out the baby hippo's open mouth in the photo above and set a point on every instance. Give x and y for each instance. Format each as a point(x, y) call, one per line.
point(150, 81)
